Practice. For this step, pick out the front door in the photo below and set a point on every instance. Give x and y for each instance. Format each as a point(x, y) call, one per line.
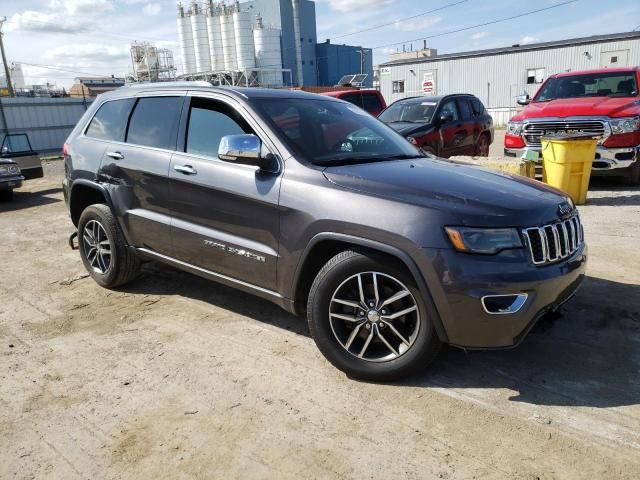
point(225, 215)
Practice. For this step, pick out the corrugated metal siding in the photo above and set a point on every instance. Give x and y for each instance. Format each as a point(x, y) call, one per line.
point(498, 79)
point(47, 121)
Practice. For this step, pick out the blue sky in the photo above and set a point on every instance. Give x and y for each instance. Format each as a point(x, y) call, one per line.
point(93, 36)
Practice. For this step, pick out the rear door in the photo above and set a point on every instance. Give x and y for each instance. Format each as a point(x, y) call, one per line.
point(225, 215)
point(470, 123)
point(137, 170)
point(452, 132)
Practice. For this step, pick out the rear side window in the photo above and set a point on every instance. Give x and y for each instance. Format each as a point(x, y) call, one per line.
point(209, 121)
point(478, 107)
point(153, 122)
point(465, 108)
point(110, 123)
point(354, 98)
point(371, 102)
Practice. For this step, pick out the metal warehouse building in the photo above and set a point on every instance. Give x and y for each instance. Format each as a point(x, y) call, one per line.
point(497, 76)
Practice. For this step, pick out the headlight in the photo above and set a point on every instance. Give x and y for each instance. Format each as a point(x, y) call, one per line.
point(514, 128)
point(9, 170)
point(624, 125)
point(483, 240)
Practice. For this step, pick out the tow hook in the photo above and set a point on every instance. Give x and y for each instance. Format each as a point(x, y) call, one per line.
point(74, 235)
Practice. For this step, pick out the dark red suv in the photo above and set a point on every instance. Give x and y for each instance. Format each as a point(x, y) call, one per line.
point(444, 126)
point(370, 100)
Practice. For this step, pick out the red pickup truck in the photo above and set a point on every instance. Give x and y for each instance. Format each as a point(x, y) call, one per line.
point(605, 103)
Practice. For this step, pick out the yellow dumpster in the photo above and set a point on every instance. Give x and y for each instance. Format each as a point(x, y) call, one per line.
point(567, 163)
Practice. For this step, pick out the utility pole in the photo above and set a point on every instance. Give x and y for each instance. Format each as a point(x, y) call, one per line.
point(4, 60)
point(362, 51)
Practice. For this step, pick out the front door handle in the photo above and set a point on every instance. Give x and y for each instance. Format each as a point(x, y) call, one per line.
point(186, 169)
point(115, 155)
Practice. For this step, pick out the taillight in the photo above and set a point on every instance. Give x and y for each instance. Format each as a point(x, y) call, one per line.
point(65, 150)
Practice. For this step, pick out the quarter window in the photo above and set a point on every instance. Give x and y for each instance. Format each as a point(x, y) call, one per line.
point(153, 122)
point(371, 102)
point(535, 75)
point(209, 121)
point(398, 86)
point(354, 98)
point(110, 123)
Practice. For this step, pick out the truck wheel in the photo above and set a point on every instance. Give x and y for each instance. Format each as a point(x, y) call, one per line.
point(102, 248)
point(368, 319)
point(632, 178)
point(6, 195)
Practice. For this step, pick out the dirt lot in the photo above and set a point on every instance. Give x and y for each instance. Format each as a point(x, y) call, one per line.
point(177, 377)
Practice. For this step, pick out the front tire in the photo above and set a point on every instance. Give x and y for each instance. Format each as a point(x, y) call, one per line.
point(103, 250)
point(368, 318)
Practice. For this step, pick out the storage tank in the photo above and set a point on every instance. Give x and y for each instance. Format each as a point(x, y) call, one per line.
point(185, 38)
point(268, 53)
point(215, 37)
point(245, 53)
point(227, 33)
point(200, 38)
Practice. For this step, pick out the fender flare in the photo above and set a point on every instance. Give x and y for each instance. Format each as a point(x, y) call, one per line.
point(384, 248)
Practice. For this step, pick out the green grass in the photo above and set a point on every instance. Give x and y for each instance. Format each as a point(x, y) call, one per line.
point(51, 158)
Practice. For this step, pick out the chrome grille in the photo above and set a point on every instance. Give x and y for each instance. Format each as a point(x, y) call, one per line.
point(533, 131)
point(554, 242)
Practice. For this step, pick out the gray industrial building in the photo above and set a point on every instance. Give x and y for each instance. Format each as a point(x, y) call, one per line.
point(497, 76)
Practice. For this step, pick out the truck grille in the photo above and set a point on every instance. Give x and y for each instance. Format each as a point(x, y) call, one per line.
point(554, 242)
point(533, 131)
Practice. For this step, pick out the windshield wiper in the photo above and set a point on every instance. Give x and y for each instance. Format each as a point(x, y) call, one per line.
point(369, 158)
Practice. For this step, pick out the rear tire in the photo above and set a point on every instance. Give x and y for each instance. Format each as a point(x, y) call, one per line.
point(632, 178)
point(6, 195)
point(482, 147)
point(103, 250)
point(344, 327)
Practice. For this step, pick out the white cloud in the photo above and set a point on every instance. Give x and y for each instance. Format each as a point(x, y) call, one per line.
point(88, 52)
point(529, 39)
point(419, 24)
point(354, 5)
point(151, 9)
point(75, 7)
point(32, 21)
point(479, 35)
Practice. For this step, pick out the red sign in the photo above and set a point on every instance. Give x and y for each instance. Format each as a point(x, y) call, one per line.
point(427, 86)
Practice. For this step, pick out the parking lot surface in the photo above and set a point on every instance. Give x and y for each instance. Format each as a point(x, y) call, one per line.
point(173, 376)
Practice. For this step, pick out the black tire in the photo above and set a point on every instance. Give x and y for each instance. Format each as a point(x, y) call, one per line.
point(123, 265)
point(483, 145)
point(6, 195)
point(331, 278)
point(632, 178)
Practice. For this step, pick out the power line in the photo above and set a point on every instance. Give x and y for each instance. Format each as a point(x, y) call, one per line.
point(471, 27)
point(382, 25)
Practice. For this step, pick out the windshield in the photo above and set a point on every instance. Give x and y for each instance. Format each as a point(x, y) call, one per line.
point(614, 84)
point(327, 132)
point(413, 112)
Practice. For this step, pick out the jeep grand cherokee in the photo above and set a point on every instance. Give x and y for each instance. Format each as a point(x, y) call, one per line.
point(315, 205)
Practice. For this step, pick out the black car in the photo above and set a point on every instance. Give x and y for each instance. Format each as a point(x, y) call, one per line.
point(317, 206)
point(10, 178)
point(444, 126)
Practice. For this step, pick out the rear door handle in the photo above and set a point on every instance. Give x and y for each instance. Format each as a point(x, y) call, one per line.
point(115, 155)
point(186, 169)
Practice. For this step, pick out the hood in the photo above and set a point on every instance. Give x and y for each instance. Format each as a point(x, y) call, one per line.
point(407, 129)
point(588, 106)
point(475, 196)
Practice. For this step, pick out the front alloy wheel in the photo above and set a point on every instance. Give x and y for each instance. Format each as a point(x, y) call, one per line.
point(369, 319)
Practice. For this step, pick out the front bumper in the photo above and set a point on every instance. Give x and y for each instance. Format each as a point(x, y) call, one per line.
point(607, 160)
point(9, 183)
point(462, 280)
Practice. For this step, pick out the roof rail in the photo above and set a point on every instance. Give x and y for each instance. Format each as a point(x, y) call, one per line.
point(195, 83)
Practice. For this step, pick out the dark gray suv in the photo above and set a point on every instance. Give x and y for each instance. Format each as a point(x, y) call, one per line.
point(315, 205)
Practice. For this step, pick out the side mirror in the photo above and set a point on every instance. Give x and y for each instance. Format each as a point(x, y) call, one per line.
point(247, 150)
point(446, 117)
point(524, 99)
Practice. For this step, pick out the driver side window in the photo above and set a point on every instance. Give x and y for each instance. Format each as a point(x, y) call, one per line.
point(209, 121)
point(449, 108)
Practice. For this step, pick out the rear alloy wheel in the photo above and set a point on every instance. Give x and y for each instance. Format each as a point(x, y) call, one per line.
point(368, 318)
point(482, 147)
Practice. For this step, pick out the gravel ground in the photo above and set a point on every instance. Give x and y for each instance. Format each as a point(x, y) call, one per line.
point(176, 377)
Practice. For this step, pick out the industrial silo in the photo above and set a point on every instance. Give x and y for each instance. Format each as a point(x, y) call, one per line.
point(268, 53)
point(245, 54)
point(215, 36)
point(185, 38)
point(200, 38)
point(228, 39)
